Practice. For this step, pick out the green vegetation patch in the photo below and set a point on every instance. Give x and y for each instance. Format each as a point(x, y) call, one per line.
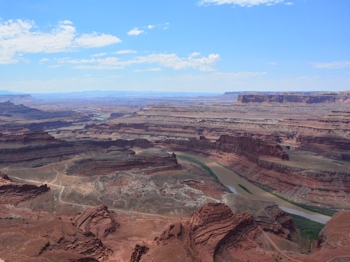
point(322, 210)
point(201, 164)
point(308, 229)
point(245, 189)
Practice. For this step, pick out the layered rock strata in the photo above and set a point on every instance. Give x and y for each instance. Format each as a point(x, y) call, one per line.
point(150, 160)
point(39, 148)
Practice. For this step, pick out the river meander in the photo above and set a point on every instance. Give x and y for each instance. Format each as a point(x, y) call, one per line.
point(232, 181)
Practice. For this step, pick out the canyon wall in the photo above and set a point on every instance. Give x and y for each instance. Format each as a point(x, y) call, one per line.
point(249, 147)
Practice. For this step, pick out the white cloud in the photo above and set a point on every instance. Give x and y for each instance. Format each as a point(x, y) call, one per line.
point(22, 37)
point(271, 63)
point(99, 55)
point(289, 3)
point(332, 65)
point(148, 70)
point(135, 31)
point(96, 40)
point(166, 60)
point(44, 60)
point(231, 76)
point(243, 3)
point(194, 54)
point(244, 74)
point(127, 51)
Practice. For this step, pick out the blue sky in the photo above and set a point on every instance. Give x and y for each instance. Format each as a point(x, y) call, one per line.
point(182, 45)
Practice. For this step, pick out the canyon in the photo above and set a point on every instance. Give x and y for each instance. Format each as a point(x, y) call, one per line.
point(175, 179)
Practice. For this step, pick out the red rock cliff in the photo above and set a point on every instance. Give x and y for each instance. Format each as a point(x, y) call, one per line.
point(249, 147)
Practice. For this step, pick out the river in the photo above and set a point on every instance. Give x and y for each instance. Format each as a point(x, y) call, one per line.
point(231, 180)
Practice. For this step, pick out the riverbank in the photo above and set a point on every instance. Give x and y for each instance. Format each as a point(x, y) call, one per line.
point(241, 186)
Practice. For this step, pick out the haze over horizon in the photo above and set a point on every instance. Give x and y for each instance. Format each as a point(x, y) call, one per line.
point(203, 46)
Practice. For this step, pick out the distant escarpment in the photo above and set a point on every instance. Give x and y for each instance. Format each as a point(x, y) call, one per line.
point(251, 148)
point(17, 99)
point(9, 109)
point(316, 98)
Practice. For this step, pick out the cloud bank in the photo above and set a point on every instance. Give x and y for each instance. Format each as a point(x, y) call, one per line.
point(332, 65)
point(18, 37)
point(243, 3)
point(166, 60)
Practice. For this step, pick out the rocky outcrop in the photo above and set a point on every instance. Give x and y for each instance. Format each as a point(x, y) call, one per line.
point(99, 221)
point(212, 229)
point(65, 237)
point(215, 233)
point(138, 252)
point(213, 226)
point(54, 240)
point(14, 193)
